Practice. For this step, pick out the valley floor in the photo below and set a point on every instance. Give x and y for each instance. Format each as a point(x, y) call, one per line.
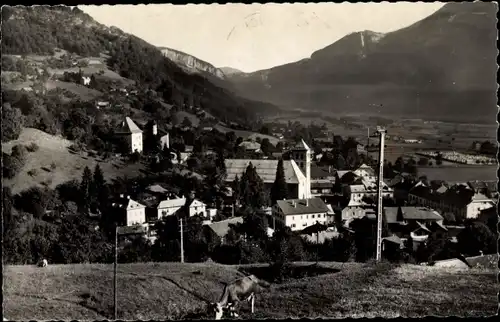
point(177, 291)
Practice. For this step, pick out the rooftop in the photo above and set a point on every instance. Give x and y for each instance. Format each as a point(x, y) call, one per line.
point(129, 127)
point(266, 169)
point(302, 206)
point(221, 228)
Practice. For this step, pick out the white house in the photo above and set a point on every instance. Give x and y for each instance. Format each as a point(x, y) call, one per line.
point(300, 213)
point(133, 212)
point(86, 80)
point(165, 141)
point(297, 171)
point(170, 206)
point(132, 133)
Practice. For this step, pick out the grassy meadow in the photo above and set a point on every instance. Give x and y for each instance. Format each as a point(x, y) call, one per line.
point(180, 291)
point(68, 165)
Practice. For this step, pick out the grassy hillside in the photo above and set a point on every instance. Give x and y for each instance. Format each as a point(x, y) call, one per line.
point(437, 68)
point(177, 291)
point(40, 30)
point(54, 149)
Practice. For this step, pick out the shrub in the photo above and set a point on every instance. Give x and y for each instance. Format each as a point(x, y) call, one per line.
point(19, 151)
point(11, 166)
point(32, 172)
point(53, 166)
point(33, 147)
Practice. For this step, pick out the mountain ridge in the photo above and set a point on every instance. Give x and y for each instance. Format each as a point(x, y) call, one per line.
point(191, 63)
point(447, 59)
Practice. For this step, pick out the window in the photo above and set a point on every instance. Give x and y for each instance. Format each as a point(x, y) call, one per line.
point(293, 217)
point(312, 216)
point(304, 224)
point(293, 225)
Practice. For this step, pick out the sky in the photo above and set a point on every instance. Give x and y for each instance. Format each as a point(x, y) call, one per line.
point(256, 36)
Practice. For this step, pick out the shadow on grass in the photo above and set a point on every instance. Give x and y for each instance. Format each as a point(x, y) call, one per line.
point(279, 274)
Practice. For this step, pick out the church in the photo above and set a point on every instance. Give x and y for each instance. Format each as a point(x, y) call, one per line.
point(297, 171)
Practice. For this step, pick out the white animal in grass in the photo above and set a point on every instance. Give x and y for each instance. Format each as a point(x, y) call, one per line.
point(243, 288)
point(43, 263)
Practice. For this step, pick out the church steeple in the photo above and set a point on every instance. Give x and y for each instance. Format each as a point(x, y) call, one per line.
point(301, 154)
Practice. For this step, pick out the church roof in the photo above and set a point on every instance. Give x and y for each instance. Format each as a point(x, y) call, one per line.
point(266, 169)
point(129, 127)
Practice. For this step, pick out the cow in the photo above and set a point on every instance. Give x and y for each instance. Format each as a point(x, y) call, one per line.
point(243, 288)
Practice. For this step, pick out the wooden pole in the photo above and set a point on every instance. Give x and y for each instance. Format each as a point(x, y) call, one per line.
point(114, 273)
point(182, 243)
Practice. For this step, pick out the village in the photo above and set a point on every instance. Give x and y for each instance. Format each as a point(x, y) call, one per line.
point(413, 209)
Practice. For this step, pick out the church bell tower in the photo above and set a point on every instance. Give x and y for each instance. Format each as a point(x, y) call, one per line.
point(301, 154)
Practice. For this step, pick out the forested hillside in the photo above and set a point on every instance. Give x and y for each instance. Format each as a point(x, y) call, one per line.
point(39, 30)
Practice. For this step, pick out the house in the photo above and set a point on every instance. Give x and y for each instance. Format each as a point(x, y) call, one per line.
point(101, 104)
point(132, 134)
point(221, 228)
point(131, 212)
point(86, 80)
point(300, 213)
point(170, 206)
point(250, 146)
point(165, 141)
point(297, 171)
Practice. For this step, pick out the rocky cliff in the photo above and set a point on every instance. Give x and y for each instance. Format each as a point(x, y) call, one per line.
point(190, 63)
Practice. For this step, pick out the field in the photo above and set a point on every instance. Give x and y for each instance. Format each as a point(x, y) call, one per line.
point(460, 173)
point(83, 92)
point(54, 149)
point(178, 291)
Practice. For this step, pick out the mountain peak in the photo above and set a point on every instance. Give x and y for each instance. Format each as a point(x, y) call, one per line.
point(190, 63)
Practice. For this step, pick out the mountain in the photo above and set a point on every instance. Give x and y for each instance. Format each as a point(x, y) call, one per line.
point(190, 63)
point(442, 67)
point(39, 30)
point(228, 71)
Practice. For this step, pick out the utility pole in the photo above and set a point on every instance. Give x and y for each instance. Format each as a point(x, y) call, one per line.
point(182, 243)
point(114, 273)
point(382, 132)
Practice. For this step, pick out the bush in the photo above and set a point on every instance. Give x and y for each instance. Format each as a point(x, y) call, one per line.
point(33, 147)
point(53, 166)
point(33, 172)
point(11, 166)
point(19, 151)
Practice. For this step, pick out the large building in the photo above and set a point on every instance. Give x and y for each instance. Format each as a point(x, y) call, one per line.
point(131, 212)
point(300, 213)
point(462, 200)
point(132, 134)
point(171, 206)
point(297, 171)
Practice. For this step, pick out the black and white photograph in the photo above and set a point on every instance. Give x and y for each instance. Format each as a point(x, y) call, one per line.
point(248, 161)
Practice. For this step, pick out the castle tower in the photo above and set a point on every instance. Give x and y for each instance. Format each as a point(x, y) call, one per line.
point(301, 154)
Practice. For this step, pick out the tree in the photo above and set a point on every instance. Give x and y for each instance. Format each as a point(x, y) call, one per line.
point(99, 192)
point(186, 122)
point(12, 122)
point(279, 188)
point(252, 189)
point(439, 159)
point(86, 188)
point(476, 238)
point(265, 146)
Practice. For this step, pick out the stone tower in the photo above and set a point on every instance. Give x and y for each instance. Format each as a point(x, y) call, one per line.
point(301, 154)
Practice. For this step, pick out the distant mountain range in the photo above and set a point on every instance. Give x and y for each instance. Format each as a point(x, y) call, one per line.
point(442, 67)
point(228, 71)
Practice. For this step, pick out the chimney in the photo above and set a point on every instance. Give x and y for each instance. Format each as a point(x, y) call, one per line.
point(307, 202)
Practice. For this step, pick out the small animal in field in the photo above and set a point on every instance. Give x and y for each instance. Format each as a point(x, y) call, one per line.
point(43, 263)
point(241, 289)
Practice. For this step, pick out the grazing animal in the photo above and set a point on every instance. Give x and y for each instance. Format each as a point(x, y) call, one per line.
point(43, 263)
point(243, 288)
